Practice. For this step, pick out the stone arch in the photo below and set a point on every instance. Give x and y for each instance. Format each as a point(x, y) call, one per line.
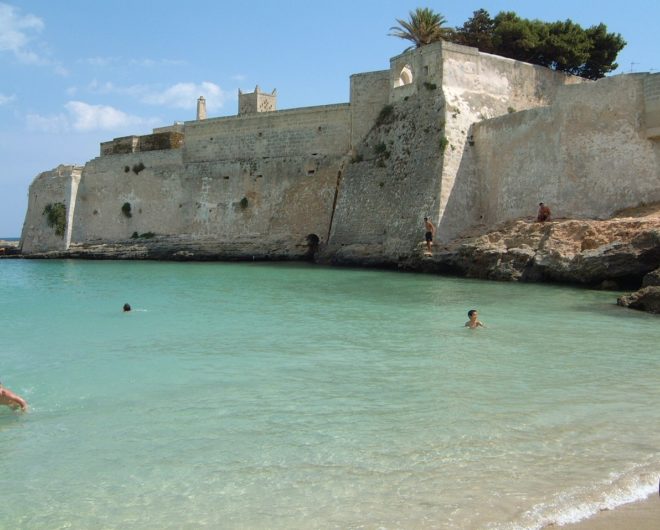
point(313, 242)
point(405, 76)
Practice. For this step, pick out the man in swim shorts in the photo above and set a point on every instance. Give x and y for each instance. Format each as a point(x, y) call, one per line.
point(430, 232)
point(473, 323)
point(7, 397)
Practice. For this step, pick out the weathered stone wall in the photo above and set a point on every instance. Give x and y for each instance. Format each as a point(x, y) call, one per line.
point(407, 165)
point(163, 138)
point(390, 185)
point(150, 182)
point(263, 181)
point(652, 105)
point(370, 92)
point(586, 155)
point(479, 86)
point(447, 132)
point(50, 187)
point(308, 132)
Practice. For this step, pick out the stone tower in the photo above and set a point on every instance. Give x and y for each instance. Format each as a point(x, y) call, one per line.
point(201, 108)
point(256, 101)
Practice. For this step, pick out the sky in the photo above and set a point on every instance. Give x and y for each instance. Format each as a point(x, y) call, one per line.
point(77, 73)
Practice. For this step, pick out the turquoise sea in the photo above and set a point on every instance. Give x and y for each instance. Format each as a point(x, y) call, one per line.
point(286, 396)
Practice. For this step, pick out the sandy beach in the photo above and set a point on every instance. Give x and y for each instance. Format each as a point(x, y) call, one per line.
point(644, 515)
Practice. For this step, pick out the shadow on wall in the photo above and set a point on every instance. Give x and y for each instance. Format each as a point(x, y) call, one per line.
point(313, 242)
point(462, 210)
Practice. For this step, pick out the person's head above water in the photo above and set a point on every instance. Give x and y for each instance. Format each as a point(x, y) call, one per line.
point(127, 307)
point(472, 312)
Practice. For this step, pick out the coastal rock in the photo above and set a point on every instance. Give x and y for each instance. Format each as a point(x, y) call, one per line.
point(651, 279)
point(611, 253)
point(646, 299)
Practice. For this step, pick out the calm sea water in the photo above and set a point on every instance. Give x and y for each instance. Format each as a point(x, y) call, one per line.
point(290, 396)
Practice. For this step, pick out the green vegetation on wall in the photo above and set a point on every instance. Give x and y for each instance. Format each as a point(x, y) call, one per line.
point(56, 217)
point(386, 115)
point(126, 209)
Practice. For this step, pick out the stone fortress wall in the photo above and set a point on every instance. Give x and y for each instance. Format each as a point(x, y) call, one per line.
point(462, 137)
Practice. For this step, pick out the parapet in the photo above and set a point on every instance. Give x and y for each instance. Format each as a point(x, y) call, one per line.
point(148, 142)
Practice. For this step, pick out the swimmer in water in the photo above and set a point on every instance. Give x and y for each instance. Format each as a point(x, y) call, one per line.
point(473, 323)
point(126, 308)
point(14, 401)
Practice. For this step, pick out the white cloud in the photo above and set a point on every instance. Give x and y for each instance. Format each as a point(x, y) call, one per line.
point(83, 117)
point(184, 96)
point(142, 63)
point(6, 99)
point(178, 96)
point(55, 123)
point(86, 117)
point(238, 77)
point(16, 31)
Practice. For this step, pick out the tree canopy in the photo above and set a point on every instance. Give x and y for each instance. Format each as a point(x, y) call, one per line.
point(423, 27)
point(561, 45)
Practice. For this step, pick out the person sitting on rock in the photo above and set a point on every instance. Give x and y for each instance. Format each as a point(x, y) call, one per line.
point(544, 213)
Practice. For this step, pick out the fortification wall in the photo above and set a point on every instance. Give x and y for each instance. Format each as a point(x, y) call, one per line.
point(308, 132)
point(48, 188)
point(586, 155)
point(370, 92)
point(267, 203)
point(467, 138)
point(149, 182)
point(407, 165)
point(391, 184)
point(479, 86)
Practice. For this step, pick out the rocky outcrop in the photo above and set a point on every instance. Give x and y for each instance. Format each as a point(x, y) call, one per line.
point(9, 248)
point(185, 248)
point(612, 253)
point(646, 299)
point(651, 279)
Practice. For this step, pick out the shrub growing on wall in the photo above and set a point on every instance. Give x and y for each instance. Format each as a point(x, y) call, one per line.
point(126, 209)
point(385, 116)
point(244, 202)
point(56, 217)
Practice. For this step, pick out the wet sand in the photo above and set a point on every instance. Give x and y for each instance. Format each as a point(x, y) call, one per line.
point(644, 515)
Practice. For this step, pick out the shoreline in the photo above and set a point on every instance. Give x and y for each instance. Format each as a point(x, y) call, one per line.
point(640, 515)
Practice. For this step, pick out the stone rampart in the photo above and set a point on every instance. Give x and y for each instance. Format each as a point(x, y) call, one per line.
point(407, 165)
point(308, 132)
point(165, 138)
point(462, 137)
point(585, 155)
point(477, 87)
point(652, 105)
point(370, 92)
point(49, 188)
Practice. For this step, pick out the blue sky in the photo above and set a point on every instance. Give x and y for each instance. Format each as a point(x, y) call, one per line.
point(75, 73)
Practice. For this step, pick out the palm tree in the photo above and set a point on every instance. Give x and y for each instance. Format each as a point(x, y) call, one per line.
point(424, 27)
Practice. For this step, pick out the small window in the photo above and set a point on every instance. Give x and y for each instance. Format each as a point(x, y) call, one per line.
point(405, 76)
